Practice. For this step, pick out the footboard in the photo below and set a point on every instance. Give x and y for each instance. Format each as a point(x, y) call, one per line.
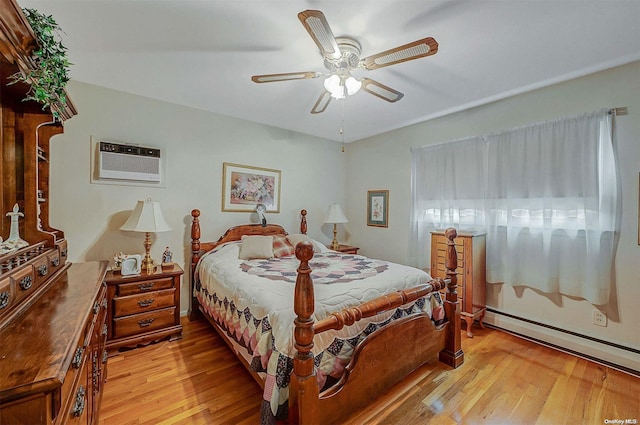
point(382, 359)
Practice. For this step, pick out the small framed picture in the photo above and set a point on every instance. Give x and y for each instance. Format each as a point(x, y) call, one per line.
point(378, 208)
point(244, 187)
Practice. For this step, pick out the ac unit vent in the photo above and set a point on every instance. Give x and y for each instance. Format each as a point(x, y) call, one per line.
point(127, 162)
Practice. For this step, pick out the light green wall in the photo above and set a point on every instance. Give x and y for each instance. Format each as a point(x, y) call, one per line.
point(384, 162)
point(196, 143)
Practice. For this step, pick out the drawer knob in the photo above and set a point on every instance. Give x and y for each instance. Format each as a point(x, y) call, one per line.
point(105, 329)
point(146, 322)
point(4, 299)
point(77, 358)
point(26, 283)
point(96, 307)
point(55, 261)
point(78, 406)
point(145, 286)
point(43, 270)
point(146, 303)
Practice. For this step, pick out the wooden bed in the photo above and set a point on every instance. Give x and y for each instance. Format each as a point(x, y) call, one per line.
point(376, 364)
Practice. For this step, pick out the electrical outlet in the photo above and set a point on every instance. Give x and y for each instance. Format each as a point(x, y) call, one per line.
point(599, 318)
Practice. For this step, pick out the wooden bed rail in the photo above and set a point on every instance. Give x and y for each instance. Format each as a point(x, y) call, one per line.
point(304, 393)
point(349, 316)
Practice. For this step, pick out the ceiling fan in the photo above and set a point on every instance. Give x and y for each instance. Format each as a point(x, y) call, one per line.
point(342, 56)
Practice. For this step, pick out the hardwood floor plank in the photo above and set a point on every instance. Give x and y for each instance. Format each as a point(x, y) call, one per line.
point(504, 380)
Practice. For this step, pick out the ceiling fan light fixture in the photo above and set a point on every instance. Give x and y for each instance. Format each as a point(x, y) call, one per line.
point(353, 85)
point(340, 87)
point(335, 86)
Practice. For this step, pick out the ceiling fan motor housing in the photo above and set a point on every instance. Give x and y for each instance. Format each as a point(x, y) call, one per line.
point(350, 51)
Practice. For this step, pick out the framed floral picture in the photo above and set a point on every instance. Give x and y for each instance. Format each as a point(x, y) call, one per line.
point(244, 187)
point(378, 208)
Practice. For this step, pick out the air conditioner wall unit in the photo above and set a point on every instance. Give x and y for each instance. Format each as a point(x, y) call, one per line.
point(129, 162)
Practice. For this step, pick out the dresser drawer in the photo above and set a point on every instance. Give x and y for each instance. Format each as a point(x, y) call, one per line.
point(7, 295)
point(24, 282)
point(143, 322)
point(145, 286)
point(132, 304)
point(78, 368)
point(77, 405)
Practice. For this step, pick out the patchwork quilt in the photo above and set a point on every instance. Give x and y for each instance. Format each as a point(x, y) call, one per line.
point(252, 300)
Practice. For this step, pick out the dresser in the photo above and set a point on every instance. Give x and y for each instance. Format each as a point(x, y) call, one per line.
point(52, 353)
point(143, 308)
point(471, 270)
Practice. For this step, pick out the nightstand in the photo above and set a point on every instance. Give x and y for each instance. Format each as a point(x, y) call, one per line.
point(347, 249)
point(143, 308)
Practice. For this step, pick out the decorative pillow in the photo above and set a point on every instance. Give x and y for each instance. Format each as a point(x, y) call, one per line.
point(282, 247)
point(253, 247)
point(299, 237)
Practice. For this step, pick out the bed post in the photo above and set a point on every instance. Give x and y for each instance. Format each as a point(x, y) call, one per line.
point(303, 222)
point(452, 353)
point(303, 389)
point(195, 256)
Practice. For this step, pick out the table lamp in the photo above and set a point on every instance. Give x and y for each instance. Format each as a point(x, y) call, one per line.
point(146, 217)
point(335, 216)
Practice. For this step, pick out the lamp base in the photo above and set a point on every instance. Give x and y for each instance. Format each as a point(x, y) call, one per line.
point(334, 243)
point(147, 264)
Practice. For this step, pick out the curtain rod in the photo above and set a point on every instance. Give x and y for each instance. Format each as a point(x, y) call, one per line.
point(619, 111)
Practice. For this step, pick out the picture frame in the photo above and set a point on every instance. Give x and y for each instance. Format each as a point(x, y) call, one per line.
point(245, 186)
point(378, 208)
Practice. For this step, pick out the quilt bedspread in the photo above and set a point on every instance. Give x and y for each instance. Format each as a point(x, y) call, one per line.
point(252, 300)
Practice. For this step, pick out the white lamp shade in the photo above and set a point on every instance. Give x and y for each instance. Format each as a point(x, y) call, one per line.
point(335, 215)
point(146, 217)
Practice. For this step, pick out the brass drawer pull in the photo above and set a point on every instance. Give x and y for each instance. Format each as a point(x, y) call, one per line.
point(145, 286)
point(146, 322)
point(78, 406)
point(77, 358)
point(146, 303)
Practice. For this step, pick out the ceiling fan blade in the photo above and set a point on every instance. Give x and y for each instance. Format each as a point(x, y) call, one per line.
point(318, 28)
point(322, 103)
point(380, 90)
point(270, 78)
point(418, 49)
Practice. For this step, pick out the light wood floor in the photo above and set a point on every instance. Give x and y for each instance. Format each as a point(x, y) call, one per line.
point(504, 380)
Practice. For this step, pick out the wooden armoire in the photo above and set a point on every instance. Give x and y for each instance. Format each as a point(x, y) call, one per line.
point(52, 312)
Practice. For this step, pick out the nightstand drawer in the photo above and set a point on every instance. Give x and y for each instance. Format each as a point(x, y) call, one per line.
point(145, 286)
point(143, 322)
point(132, 304)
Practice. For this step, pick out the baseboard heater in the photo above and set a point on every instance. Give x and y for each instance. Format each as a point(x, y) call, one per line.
point(574, 352)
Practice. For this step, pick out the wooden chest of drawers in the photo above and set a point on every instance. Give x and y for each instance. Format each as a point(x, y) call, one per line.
point(52, 356)
point(471, 272)
point(143, 308)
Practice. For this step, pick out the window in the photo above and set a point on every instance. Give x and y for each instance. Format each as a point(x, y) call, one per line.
point(545, 194)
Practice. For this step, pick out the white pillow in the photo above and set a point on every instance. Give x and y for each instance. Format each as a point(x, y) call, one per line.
point(253, 247)
point(299, 237)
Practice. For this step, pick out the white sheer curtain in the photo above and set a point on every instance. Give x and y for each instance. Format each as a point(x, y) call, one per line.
point(545, 194)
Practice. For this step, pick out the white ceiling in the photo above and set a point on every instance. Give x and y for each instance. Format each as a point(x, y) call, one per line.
point(203, 53)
